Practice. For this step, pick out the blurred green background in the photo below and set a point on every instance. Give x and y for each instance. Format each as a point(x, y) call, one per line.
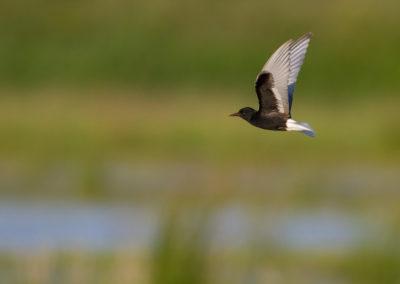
point(119, 163)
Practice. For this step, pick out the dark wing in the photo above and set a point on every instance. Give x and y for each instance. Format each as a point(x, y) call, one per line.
point(272, 82)
point(266, 97)
point(297, 53)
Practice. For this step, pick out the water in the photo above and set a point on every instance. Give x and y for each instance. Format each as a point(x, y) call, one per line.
point(48, 226)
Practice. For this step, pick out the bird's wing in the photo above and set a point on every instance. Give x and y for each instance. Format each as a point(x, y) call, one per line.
point(297, 53)
point(272, 82)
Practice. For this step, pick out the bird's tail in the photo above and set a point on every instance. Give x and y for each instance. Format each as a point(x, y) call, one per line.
point(303, 127)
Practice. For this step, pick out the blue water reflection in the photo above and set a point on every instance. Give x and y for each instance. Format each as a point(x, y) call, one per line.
point(45, 226)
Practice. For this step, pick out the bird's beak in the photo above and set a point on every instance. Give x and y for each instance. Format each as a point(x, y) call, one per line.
point(235, 114)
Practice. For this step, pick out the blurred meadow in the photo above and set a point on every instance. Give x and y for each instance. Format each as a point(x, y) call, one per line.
point(119, 163)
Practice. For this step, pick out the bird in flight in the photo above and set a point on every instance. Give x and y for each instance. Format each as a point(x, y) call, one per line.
point(275, 87)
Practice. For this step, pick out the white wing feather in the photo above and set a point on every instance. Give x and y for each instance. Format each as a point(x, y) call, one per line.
point(284, 65)
point(279, 66)
point(297, 53)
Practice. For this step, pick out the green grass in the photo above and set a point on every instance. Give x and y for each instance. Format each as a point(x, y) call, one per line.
point(82, 142)
point(158, 43)
point(73, 125)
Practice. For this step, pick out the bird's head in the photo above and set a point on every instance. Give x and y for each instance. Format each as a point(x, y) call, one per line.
point(246, 113)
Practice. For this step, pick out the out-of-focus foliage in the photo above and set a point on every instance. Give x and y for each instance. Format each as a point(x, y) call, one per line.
point(97, 143)
point(174, 43)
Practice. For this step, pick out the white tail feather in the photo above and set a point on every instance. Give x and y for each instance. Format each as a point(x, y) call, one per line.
point(302, 127)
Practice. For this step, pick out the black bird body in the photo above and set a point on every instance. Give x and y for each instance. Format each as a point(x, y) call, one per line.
point(270, 121)
point(275, 87)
